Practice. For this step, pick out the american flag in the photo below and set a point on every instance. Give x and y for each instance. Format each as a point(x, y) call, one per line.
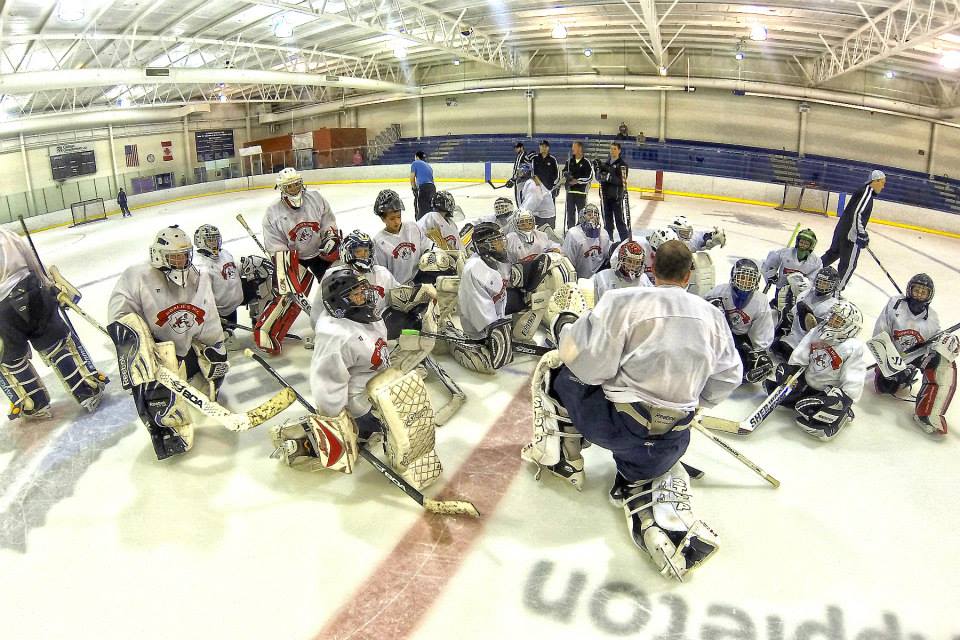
point(130, 153)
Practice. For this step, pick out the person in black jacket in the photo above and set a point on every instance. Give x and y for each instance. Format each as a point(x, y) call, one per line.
point(545, 167)
point(612, 176)
point(578, 175)
point(850, 234)
point(122, 203)
point(521, 159)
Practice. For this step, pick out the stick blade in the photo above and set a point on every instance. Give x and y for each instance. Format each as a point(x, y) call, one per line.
point(451, 507)
point(280, 401)
point(721, 424)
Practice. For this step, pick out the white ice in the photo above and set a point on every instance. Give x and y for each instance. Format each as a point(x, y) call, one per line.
point(100, 540)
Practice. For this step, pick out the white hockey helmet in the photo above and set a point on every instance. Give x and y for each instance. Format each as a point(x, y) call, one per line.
point(844, 321)
point(503, 207)
point(207, 240)
point(290, 183)
point(172, 253)
point(682, 227)
point(526, 224)
point(660, 236)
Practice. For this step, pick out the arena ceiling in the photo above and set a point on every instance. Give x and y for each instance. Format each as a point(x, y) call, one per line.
point(71, 55)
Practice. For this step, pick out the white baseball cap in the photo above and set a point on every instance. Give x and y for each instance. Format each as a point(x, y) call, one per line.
point(876, 174)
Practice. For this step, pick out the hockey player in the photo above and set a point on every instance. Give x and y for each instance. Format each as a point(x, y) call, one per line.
point(587, 248)
point(398, 246)
point(538, 200)
point(528, 242)
point(224, 276)
point(697, 240)
point(835, 362)
point(813, 307)
point(599, 387)
point(653, 242)
point(908, 321)
point(30, 314)
point(438, 223)
point(628, 271)
point(799, 258)
point(300, 234)
point(170, 302)
point(749, 317)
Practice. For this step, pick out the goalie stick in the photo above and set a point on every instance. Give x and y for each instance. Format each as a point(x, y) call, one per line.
point(519, 347)
point(736, 454)
point(885, 272)
point(443, 507)
point(747, 426)
point(793, 236)
point(894, 363)
point(243, 222)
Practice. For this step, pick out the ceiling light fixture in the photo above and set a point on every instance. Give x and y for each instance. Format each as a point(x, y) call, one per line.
point(890, 75)
point(758, 32)
point(456, 62)
point(70, 10)
point(400, 50)
point(282, 28)
point(950, 60)
point(588, 52)
point(559, 32)
point(123, 102)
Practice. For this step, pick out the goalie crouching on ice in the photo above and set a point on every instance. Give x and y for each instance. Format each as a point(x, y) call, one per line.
point(357, 394)
point(597, 387)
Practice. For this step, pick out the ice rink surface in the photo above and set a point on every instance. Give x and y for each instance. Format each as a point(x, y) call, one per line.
point(100, 540)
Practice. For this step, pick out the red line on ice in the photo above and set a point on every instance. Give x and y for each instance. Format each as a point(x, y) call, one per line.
point(394, 599)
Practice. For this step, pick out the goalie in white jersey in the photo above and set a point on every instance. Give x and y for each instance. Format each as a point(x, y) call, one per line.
point(602, 386)
point(799, 258)
point(171, 303)
point(812, 308)
point(587, 248)
point(627, 270)
point(905, 323)
point(404, 248)
point(834, 364)
point(438, 224)
point(697, 240)
point(527, 242)
point(749, 317)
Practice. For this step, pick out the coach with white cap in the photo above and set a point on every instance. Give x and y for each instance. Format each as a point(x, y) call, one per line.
point(850, 234)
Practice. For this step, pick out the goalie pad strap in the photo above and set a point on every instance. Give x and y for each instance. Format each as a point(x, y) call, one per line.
point(24, 388)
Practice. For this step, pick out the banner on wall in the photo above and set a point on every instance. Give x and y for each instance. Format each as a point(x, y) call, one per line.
point(302, 140)
point(167, 146)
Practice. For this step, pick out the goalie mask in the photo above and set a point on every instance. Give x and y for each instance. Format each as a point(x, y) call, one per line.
point(919, 293)
point(806, 241)
point(589, 221)
point(682, 227)
point(526, 225)
point(290, 183)
point(660, 236)
point(744, 280)
point(630, 257)
point(172, 253)
point(207, 240)
point(357, 251)
point(825, 284)
point(845, 321)
point(444, 203)
point(387, 202)
point(348, 295)
point(503, 209)
point(490, 243)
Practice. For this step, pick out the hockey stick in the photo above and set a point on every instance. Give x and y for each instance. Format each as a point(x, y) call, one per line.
point(747, 426)
point(626, 202)
point(793, 235)
point(896, 366)
point(885, 272)
point(503, 186)
point(234, 325)
point(519, 347)
point(457, 398)
point(243, 222)
point(736, 454)
point(445, 507)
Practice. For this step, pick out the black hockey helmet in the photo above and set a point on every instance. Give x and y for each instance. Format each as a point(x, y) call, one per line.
point(919, 291)
point(745, 275)
point(490, 242)
point(826, 281)
point(355, 240)
point(341, 292)
point(387, 200)
point(443, 202)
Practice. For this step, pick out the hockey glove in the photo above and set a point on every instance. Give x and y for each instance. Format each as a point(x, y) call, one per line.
point(213, 362)
point(863, 240)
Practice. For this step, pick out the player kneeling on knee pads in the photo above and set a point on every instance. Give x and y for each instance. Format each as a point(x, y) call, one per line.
point(628, 272)
point(603, 389)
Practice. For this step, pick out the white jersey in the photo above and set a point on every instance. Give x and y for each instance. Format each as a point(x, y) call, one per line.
point(843, 365)
point(587, 254)
point(346, 355)
point(755, 320)
point(507, 228)
point(400, 252)
point(906, 329)
point(782, 262)
point(176, 314)
point(482, 297)
point(537, 199)
point(659, 345)
point(224, 280)
point(445, 229)
point(610, 279)
point(820, 307)
point(300, 230)
point(519, 250)
point(379, 278)
point(17, 261)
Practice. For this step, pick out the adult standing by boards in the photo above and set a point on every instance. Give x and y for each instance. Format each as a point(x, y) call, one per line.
point(850, 234)
point(612, 176)
point(122, 203)
point(578, 175)
point(545, 168)
point(421, 181)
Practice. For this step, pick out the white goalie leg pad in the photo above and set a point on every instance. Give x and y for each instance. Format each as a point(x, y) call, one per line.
point(336, 437)
point(486, 357)
point(178, 415)
point(448, 288)
point(526, 323)
point(661, 521)
point(703, 278)
point(437, 261)
point(936, 393)
point(407, 297)
point(414, 348)
point(548, 414)
point(566, 305)
point(24, 388)
point(403, 406)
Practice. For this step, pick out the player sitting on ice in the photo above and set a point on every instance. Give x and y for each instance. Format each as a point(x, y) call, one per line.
point(31, 314)
point(404, 249)
point(749, 317)
point(438, 224)
point(527, 242)
point(503, 216)
point(355, 390)
point(599, 386)
point(835, 364)
point(628, 272)
point(165, 313)
point(906, 322)
point(799, 258)
point(697, 240)
point(587, 248)
point(813, 307)
point(300, 234)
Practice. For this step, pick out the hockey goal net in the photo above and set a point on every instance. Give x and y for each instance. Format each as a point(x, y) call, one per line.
point(807, 197)
point(88, 211)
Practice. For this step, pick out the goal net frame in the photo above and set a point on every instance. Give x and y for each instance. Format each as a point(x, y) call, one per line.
point(85, 211)
point(807, 197)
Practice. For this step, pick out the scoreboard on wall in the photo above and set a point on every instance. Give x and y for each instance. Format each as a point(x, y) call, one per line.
point(215, 144)
point(72, 160)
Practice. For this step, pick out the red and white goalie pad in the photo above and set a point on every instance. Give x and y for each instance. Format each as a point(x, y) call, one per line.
point(336, 443)
point(939, 385)
point(293, 284)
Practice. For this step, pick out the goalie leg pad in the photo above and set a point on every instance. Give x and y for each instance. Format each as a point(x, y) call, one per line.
point(661, 522)
point(336, 437)
point(256, 276)
point(403, 406)
point(272, 326)
point(703, 278)
point(84, 385)
point(495, 352)
point(936, 393)
point(162, 412)
point(825, 413)
point(21, 384)
point(566, 305)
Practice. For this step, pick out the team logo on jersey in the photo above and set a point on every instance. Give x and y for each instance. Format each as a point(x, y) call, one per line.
point(380, 355)
point(380, 290)
point(181, 317)
point(451, 241)
point(304, 231)
point(738, 318)
point(404, 250)
point(229, 271)
point(595, 250)
point(499, 295)
point(906, 338)
point(823, 357)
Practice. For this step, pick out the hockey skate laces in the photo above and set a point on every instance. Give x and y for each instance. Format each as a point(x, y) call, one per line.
point(682, 498)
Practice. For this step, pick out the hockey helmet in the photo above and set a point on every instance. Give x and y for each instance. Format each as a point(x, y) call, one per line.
point(290, 183)
point(489, 242)
point(503, 208)
point(387, 201)
point(844, 321)
point(524, 172)
point(589, 220)
point(660, 236)
point(806, 241)
point(444, 203)
point(682, 227)
point(826, 281)
point(526, 224)
point(207, 240)
point(357, 250)
point(630, 259)
point(346, 294)
point(172, 253)
point(920, 291)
